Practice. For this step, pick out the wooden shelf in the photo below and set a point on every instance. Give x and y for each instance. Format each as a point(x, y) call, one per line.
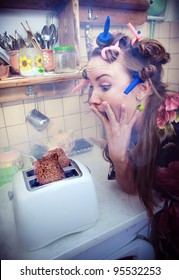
point(19, 81)
point(140, 5)
point(32, 4)
point(55, 4)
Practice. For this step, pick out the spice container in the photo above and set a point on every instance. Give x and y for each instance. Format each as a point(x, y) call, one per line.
point(31, 62)
point(65, 59)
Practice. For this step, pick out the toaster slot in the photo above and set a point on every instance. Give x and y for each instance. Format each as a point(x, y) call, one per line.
point(30, 173)
point(71, 173)
point(33, 183)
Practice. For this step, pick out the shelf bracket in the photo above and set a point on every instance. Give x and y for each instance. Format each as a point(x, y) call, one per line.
point(31, 91)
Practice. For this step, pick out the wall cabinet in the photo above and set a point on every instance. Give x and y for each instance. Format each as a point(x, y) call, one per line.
point(72, 14)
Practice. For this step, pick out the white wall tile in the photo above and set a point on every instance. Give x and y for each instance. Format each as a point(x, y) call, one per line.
point(17, 134)
point(174, 61)
point(89, 132)
point(174, 30)
point(53, 107)
point(174, 45)
point(3, 138)
point(35, 134)
point(173, 76)
point(84, 105)
point(88, 119)
point(2, 123)
point(14, 115)
point(165, 42)
point(71, 105)
point(72, 122)
point(164, 29)
point(55, 125)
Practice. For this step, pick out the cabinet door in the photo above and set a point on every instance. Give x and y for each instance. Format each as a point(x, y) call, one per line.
point(69, 26)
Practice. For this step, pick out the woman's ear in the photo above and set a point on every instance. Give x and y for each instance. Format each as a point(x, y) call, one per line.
point(144, 90)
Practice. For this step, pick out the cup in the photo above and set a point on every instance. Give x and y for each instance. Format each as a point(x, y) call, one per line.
point(37, 120)
point(14, 61)
point(48, 59)
point(4, 71)
point(31, 62)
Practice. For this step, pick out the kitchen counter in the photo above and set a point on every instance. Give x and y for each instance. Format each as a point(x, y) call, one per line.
point(118, 212)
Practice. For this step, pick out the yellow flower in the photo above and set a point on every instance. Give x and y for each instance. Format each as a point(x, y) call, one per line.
point(25, 63)
point(39, 61)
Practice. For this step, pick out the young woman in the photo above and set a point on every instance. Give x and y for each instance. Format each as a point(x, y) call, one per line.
point(140, 119)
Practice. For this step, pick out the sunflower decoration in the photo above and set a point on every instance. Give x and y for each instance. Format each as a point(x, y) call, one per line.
point(39, 61)
point(25, 63)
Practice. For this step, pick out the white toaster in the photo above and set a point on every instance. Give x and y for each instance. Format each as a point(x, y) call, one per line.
point(44, 213)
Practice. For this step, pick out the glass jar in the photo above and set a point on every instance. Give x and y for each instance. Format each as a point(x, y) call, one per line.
point(31, 62)
point(65, 59)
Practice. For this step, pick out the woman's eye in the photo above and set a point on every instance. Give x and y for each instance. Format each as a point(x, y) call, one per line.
point(105, 87)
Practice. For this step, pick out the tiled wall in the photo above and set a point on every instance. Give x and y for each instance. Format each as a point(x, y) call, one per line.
point(72, 111)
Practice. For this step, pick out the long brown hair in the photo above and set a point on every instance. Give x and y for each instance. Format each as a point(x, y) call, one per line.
point(145, 57)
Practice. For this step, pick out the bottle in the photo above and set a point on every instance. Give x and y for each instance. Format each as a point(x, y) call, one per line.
point(65, 59)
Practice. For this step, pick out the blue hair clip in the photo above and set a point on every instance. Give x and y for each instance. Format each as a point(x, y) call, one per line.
point(134, 83)
point(104, 38)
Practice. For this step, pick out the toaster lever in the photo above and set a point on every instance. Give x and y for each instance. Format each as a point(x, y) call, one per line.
point(10, 195)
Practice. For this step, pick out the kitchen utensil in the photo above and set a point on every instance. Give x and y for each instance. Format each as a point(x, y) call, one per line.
point(7, 42)
point(40, 40)
point(30, 36)
point(20, 40)
point(45, 34)
point(38, 120)
point(53, 35)
point(15, 45)
point(45, 213)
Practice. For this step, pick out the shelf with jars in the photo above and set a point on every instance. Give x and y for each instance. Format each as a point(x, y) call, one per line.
point(72, 15)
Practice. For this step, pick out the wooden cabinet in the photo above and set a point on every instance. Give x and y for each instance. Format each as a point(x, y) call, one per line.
point(72, 14)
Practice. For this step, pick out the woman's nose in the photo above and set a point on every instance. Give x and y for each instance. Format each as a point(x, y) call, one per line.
point(94, 98)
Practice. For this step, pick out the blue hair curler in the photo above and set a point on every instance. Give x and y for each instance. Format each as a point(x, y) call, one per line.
point(134, 83)
point(104, 38)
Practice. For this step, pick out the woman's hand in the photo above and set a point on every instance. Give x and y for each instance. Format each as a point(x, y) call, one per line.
point(118, 129)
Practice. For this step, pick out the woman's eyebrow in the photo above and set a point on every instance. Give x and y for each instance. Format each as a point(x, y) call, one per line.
point(97, 78)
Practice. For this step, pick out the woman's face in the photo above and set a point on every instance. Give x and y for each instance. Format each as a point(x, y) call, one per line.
point(107, 83)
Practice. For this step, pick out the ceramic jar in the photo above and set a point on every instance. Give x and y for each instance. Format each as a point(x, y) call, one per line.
point(48, 59)
point(14, 61)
